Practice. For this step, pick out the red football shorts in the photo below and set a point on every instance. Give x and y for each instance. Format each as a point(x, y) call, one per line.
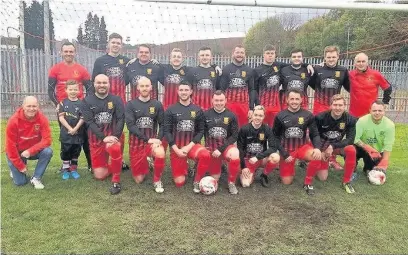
point(318, 108)
point(241, 111)
point(179, 165)
point(288, 168)
point(270, 114)
point(100, 155)
point(138, 159)
point(215, 163)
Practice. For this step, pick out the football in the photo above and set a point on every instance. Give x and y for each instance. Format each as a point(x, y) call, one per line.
point(376, 177)
point(208, 185)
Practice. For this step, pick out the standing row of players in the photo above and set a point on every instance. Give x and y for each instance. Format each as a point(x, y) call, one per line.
point(240, 83)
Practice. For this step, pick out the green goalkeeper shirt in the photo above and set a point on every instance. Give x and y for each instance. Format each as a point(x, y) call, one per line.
point(380, 136)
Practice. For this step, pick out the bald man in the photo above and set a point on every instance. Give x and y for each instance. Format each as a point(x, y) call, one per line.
point(28, 137)
point(105, 115)
point(144, 119)
point(364, 84)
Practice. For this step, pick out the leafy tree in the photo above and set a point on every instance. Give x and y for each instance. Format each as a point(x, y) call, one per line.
point(80, 36)
point(279, 30)
point(95, 33)
point(34, 26)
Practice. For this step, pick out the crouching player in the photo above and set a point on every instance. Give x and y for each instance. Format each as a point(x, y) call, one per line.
point(257, 148)
point(375, 136)
point(290, 128)
point(105, 116)
point(333, 126)
point(221, 132)
point(71, 130)
point(184, 129)
point(144, 117)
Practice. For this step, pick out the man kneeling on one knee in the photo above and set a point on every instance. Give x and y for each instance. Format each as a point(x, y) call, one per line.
point(257, 148)
point(28, 137)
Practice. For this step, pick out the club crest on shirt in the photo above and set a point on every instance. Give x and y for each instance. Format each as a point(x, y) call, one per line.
point(121, 61)
point(261, 136)
point(182, 72)
point(303, 76)
point(243, 74)
point(275, 68)
point(151, 110)
point(370, 78)
point(149, 71)
point(301, 120)
point(212, 74)
point(110, 105)
point(37, 127)
point(76, 73)
point(342, 125)
point(193, 114)
point(337, 74)
point(226, 120)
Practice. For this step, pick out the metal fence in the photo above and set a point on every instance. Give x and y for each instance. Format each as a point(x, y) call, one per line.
point(12, 91)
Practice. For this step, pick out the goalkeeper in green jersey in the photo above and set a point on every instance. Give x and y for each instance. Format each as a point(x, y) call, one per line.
point(375, 136)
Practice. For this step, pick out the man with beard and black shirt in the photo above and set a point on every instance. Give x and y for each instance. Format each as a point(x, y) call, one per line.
point(143, 67)
point(184, 128)
point(333, 126)
point(328, 81)
point(290, 128)
point(296, 77)
point(267, 83)
point(105, 116)
point(144, 120)
point(221, 132)
point(204, 79)
point(257, 148)
point(237, 81)
point(113, 65)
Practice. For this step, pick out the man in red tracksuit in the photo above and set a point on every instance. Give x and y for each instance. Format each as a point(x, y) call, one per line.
point(28, 137)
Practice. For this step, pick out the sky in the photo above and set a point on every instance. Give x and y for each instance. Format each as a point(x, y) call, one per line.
point(149, 22)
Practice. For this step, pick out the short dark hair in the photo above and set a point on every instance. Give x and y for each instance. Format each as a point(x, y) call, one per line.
point(115, 36)
point(70, 82)
point(145, 46)
point(296, 51)
point(238, 46)
point(204, 48)
point(185, 82)
point(269, 47)
point(68, 44)
point(378, 102)
point(297, 91)
point(218, 93)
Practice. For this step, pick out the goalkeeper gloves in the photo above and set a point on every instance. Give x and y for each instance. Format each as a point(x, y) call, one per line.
point(382, 166)
point(373, 153)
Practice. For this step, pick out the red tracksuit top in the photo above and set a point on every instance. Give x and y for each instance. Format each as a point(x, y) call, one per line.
point(23, 134)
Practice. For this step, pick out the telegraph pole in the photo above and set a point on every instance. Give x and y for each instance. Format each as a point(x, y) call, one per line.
point(23, 73)
point(47, 50)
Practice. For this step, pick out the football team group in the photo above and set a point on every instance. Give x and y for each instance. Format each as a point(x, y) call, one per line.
point(249, 118)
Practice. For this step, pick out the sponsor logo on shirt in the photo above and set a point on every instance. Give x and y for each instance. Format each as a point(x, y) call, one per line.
point(226, 120)
point(151, 110)
point(337, 74)
point(261, 136)
point(193, 114)
point(301, 120)
point(149, 71)
point(342, 125)
point(217, 132)
point(110, 105)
